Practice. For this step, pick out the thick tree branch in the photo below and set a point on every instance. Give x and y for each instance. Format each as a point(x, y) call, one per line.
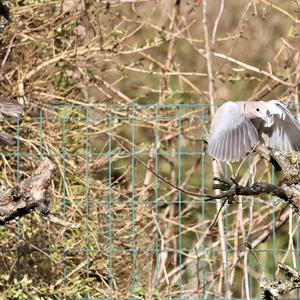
point(30, 195)
point(232, 189)
point(272, 289)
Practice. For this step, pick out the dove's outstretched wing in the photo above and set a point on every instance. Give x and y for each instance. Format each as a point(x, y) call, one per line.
point(281, 131)
point(232, 135)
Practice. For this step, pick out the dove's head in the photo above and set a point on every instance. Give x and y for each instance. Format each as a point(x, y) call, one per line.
point(256, 109)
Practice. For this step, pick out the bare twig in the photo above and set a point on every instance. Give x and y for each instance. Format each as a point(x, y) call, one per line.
point(211, 92)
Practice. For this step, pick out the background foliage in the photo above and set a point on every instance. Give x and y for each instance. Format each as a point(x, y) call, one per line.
point(146, 73)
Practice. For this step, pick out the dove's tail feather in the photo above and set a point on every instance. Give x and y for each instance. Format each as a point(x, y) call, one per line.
point(11, 109)
point(6, 139)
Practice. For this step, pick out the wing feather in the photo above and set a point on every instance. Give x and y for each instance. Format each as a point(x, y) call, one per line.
point(232, 134)
point(11, 109)
point(236, 146)
point(241, 138)
point(282, 130)
point(7, 139)
point(220, 152)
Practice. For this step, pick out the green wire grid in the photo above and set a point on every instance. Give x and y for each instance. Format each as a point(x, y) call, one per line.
point(142, 126)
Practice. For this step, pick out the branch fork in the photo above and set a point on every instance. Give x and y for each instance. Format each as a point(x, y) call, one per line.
point(32, 194)
point(271, 290)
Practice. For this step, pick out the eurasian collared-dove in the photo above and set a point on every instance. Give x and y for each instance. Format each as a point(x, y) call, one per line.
point(13, 110)
point(237, 126)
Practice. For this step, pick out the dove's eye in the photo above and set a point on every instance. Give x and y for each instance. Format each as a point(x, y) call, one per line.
point(257, 109)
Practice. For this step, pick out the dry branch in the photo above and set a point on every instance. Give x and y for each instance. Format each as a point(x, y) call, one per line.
point(232, 189)
point(288, 190)
point(30, 195)
point(272, 289)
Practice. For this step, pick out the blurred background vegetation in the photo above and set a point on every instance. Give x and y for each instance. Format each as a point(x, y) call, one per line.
point(98, 76)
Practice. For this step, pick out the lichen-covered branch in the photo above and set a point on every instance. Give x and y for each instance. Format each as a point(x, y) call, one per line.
point(30, 195)
point(271, 290)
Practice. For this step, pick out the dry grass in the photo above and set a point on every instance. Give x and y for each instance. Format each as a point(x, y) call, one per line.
point(82, 68)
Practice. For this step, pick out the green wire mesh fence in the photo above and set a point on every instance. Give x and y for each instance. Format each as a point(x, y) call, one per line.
point(139, 237)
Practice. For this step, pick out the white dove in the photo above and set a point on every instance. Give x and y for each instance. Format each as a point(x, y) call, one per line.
point(238, 126)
